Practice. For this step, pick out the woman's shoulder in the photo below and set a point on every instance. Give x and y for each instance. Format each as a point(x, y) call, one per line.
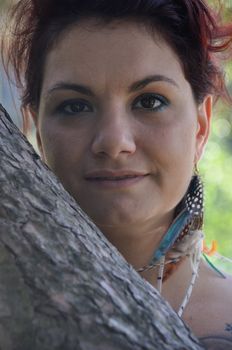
point(210, 313)
point(217, 342)
point(219, 312)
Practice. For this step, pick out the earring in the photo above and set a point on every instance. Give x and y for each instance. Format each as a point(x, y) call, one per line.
point(196, 170)
point(188, 218)
point(195, 200)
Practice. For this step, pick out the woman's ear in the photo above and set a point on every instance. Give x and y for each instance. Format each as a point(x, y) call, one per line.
point(28, 114)
point(204, 123)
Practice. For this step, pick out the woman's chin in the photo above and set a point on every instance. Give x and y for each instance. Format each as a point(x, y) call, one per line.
point(115, 218)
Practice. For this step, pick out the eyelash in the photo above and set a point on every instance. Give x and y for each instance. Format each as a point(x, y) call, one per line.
point(61, 108)
point(156, 97)
point(82, 103)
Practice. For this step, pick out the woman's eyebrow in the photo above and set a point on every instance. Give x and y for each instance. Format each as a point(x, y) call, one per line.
point(85, 90)
point(70, 86)
point(140, 84)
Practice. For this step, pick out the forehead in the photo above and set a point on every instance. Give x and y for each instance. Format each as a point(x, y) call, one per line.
point(115, 53)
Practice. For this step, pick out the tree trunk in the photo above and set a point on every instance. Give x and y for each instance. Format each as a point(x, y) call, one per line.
point(62, 284)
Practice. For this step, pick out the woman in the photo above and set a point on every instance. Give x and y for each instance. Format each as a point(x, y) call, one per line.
point(121, 93)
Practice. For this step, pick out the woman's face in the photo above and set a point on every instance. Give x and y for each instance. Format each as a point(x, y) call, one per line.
point(118, 124)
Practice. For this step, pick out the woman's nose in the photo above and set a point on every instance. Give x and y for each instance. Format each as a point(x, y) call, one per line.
point(113, 137)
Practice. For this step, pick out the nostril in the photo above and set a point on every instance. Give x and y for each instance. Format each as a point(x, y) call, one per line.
point(113, 144)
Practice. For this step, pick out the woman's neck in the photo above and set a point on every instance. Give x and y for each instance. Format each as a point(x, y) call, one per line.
point(137, 243)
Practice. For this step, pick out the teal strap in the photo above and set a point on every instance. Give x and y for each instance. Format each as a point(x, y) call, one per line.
point(171, 235)
point(214, 267)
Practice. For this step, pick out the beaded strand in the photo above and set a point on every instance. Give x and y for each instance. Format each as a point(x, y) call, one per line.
point(193, 279)
point(160, 274)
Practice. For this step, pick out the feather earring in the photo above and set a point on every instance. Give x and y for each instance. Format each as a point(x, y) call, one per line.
point(190, 215)
point(183, 238)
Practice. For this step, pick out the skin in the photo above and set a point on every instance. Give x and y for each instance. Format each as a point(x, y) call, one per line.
point(115, 130)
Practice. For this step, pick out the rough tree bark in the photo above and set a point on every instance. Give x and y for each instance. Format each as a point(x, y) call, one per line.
point(62, 284)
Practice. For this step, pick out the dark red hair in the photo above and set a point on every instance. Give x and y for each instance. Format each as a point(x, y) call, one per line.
point(192, 29)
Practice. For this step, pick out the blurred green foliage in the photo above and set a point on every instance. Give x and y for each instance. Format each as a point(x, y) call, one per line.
point(216, 170)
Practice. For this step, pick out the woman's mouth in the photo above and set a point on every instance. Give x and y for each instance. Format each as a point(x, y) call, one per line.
point(115, 181)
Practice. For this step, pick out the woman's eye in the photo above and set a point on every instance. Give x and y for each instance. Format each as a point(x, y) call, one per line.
point(72, 107)
point(151, 102)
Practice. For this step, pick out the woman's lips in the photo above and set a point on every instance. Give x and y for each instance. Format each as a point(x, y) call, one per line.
point(115, 181)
